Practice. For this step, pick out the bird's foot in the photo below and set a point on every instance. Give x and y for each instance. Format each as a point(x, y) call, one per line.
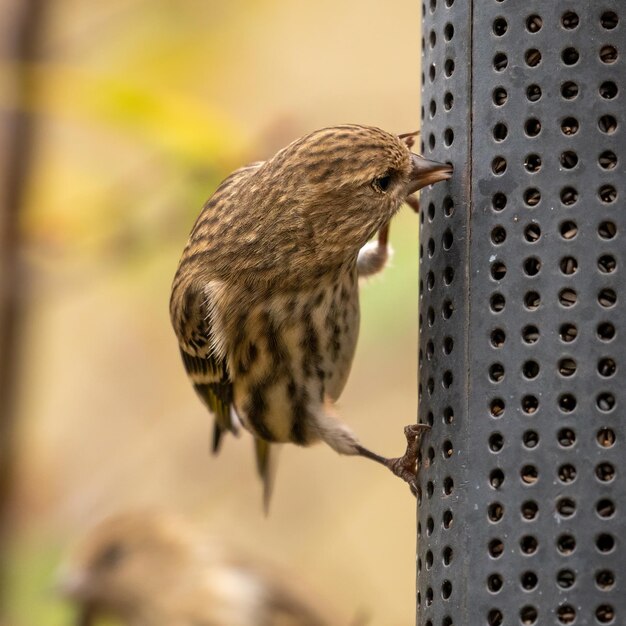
point(404, 467)
point(409, 138)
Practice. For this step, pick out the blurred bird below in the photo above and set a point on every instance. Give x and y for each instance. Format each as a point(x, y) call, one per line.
point(152, 568)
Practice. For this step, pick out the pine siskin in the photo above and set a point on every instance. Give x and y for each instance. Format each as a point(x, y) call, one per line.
point(153, 569)
point(265, 302)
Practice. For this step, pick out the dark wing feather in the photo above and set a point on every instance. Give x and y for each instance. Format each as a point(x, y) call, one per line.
point(212, 383)
point(207, 372)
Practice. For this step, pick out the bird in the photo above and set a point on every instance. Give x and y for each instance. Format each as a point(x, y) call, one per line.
point(151, 567)
point(265, 299)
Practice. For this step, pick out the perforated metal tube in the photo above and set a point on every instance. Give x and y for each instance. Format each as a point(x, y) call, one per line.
point(522, 314)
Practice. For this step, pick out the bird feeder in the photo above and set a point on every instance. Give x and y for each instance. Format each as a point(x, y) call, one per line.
point(522, 489)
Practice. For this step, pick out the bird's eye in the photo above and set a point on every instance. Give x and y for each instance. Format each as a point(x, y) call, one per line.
point(110, 556)
point(382, 183)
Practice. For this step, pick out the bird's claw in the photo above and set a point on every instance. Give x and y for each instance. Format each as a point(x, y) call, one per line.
point(406, 466)
point(409, 138)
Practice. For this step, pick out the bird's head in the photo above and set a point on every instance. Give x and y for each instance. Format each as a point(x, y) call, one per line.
point(124, 562)
point(349, 180)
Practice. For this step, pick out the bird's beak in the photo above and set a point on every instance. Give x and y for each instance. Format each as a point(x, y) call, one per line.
point(425, 172)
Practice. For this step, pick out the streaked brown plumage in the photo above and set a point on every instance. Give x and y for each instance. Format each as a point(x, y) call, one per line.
point(149, 568)
point(265, 300)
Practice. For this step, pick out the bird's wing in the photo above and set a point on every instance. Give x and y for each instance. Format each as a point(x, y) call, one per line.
point(211, 380)
point(191, 320)
point(208, 371)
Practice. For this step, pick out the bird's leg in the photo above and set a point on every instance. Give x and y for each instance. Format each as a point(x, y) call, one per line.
point(338, 436)
point(413, 202)
point(374, 255)
point(404, 467)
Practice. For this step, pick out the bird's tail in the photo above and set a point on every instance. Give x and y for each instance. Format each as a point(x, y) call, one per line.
point(266, 467)
point(218, 432)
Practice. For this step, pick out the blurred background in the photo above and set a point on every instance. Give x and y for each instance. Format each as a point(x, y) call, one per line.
point(119, 119)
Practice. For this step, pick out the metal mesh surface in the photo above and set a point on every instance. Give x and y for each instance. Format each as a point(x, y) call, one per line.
point(522, 316)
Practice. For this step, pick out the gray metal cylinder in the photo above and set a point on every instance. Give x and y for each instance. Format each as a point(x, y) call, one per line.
point(522, 490)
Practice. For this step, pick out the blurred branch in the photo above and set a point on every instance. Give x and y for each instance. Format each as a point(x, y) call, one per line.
point(23, 28)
